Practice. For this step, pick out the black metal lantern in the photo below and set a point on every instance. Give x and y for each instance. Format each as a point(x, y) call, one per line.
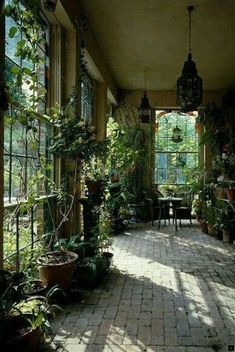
point(177, 135)
point(189, 85)
point(145, 110)
point(50, 5)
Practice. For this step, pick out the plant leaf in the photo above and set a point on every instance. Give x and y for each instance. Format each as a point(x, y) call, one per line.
point(12, 32)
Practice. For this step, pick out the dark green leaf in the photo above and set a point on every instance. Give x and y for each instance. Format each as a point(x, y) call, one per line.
point(15, 70)
point(23, 119)
point(13, 30)
point(21, 43)
point(27, 71)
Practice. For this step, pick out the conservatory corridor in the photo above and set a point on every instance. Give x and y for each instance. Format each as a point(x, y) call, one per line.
point(167, 291)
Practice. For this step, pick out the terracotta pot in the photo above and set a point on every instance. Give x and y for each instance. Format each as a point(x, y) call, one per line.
point(58, 273)
point(204, 227)
point(210, 229)
point(227, 236)
point(231, 194)
point(221, 193)
point(114, 178)
point(34, 288)
point(21, 338)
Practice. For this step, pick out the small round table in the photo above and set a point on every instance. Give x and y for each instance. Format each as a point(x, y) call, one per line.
point(174, 202)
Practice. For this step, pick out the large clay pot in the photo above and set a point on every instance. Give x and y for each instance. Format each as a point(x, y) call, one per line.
point(221, 193)
point(33, 288)
point(21, 337)
point(60, 272)
point(204, 227)
point(227, 236)
point(210, 229)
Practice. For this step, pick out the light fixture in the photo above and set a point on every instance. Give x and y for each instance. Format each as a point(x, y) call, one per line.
point(177, 135)
point(145, 110)
point(50, 5)
point(189, 85)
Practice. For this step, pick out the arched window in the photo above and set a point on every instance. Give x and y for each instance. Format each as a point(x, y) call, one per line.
point(176, 147)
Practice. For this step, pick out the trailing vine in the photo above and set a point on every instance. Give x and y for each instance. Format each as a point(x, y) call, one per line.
point(28, 30)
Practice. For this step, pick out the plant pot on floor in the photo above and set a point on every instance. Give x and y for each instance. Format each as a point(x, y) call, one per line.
point(108, 257)
point(33, 288)
point(204, 227)
point(227, 236)
point(56, 268)
point(86, 276)
point(210, 229)
point(19, 336)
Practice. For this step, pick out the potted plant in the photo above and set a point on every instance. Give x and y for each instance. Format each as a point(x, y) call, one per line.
point(231, 190)
point(33, 287)
point(221, 187)
point(225, 222)
point(90, 269)
point(57, 268)
point(210, 217)
point(21, 320)
point(72, 244)
point(197, 208)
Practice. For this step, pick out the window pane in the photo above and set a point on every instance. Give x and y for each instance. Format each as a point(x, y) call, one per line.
point(18, 139)
point(11, 42)
point(177, 138)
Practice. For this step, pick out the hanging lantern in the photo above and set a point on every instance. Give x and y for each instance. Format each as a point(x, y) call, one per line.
point(145, 110)
point(189, 85)
point(50, 5)
point(177, 135)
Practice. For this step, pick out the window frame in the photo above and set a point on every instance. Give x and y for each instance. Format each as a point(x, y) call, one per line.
point(170, 153)
point(34, 226)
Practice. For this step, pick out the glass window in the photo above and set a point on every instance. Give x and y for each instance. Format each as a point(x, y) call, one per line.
point(27, 138)
point(176, 147)
point(87, 91)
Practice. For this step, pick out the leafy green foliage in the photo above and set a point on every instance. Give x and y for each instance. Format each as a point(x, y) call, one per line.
point(30, 35)
point(76, 140)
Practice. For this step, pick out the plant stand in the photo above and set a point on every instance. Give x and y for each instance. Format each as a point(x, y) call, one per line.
point(90, 218)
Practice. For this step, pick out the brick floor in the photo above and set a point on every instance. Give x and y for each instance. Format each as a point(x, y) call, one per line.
point(167, 291)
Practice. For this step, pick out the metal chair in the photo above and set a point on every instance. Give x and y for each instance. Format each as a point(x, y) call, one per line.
point(184, 211)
